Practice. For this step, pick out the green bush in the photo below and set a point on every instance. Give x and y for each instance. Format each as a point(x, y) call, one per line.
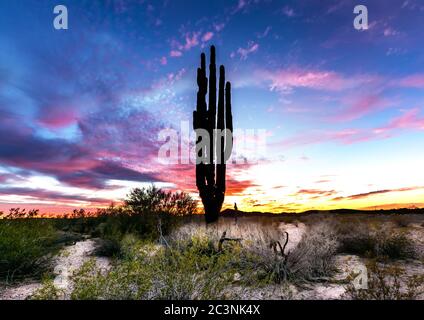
point(148, 271)
point(147, 212)
point(24, 244)
point(48, 291)
point(154, 200)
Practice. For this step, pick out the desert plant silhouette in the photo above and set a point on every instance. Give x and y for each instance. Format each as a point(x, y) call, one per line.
point(210, 175)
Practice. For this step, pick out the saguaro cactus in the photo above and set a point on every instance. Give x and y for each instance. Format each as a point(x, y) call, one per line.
point(218, 124)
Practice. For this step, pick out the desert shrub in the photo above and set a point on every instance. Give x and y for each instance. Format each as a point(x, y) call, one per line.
point(149, 213)
point(195, 269)
point(48, 291)
point(154, 200)
point(394, 246)
point(142, 213)
point(107, 248)
point(145, 226)
point(17, 213)
point(401, 221)
point(378, 242)
point(314, 255)
point(189, 270)
point(355, 238)
point(129, 279)
point(258, 264)
point(388, 282)
point(24, 244)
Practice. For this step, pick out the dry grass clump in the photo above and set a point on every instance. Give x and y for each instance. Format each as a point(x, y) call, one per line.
point(311, 259)
point(251, 233)
point(314, 256)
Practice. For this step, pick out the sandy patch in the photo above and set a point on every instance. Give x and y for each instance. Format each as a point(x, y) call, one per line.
point(68, 260)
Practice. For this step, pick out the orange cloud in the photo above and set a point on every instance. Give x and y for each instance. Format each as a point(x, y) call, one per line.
point(372, 193)
point(316, 192)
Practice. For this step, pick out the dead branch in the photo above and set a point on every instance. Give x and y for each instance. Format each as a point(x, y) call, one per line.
point(275, 245)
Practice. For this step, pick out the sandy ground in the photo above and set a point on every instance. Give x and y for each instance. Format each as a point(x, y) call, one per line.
point(69, 259)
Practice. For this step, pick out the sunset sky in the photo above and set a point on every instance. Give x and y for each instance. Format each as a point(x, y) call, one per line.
point(343, 110)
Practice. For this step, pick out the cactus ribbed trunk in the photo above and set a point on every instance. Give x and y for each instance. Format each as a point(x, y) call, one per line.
point(210, 175)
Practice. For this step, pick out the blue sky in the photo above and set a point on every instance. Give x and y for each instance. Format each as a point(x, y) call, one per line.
point(81, 108)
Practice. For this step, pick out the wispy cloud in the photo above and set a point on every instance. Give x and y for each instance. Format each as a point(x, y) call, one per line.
point(316, 193)
point(288, 11)
point(245, 52)
point(409, 120)
point(413, 81)
point(377, 192)
point(287, 79)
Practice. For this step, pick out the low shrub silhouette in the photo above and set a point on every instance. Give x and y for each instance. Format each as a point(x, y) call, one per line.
point(153, 200)
point(147, 212)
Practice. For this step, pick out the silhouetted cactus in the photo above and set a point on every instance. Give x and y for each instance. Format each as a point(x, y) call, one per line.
point(210, 175)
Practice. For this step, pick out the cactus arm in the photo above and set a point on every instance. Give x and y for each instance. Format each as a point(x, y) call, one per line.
point(228, 118)
point(221, 93)
point(199, 120)
point(220, 167)
point(210, 177)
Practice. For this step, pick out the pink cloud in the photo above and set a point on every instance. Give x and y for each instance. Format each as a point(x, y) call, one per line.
point(285, 80)
point(413, 81)
point(175, 53)
point(191, 40)
point(343, 136)
point(58, 116)
point(358, 106)
point(240, 5)
point(355, 103)
point(163, 61)
point(207, 36)
point(409, 120)
point(244, 52)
